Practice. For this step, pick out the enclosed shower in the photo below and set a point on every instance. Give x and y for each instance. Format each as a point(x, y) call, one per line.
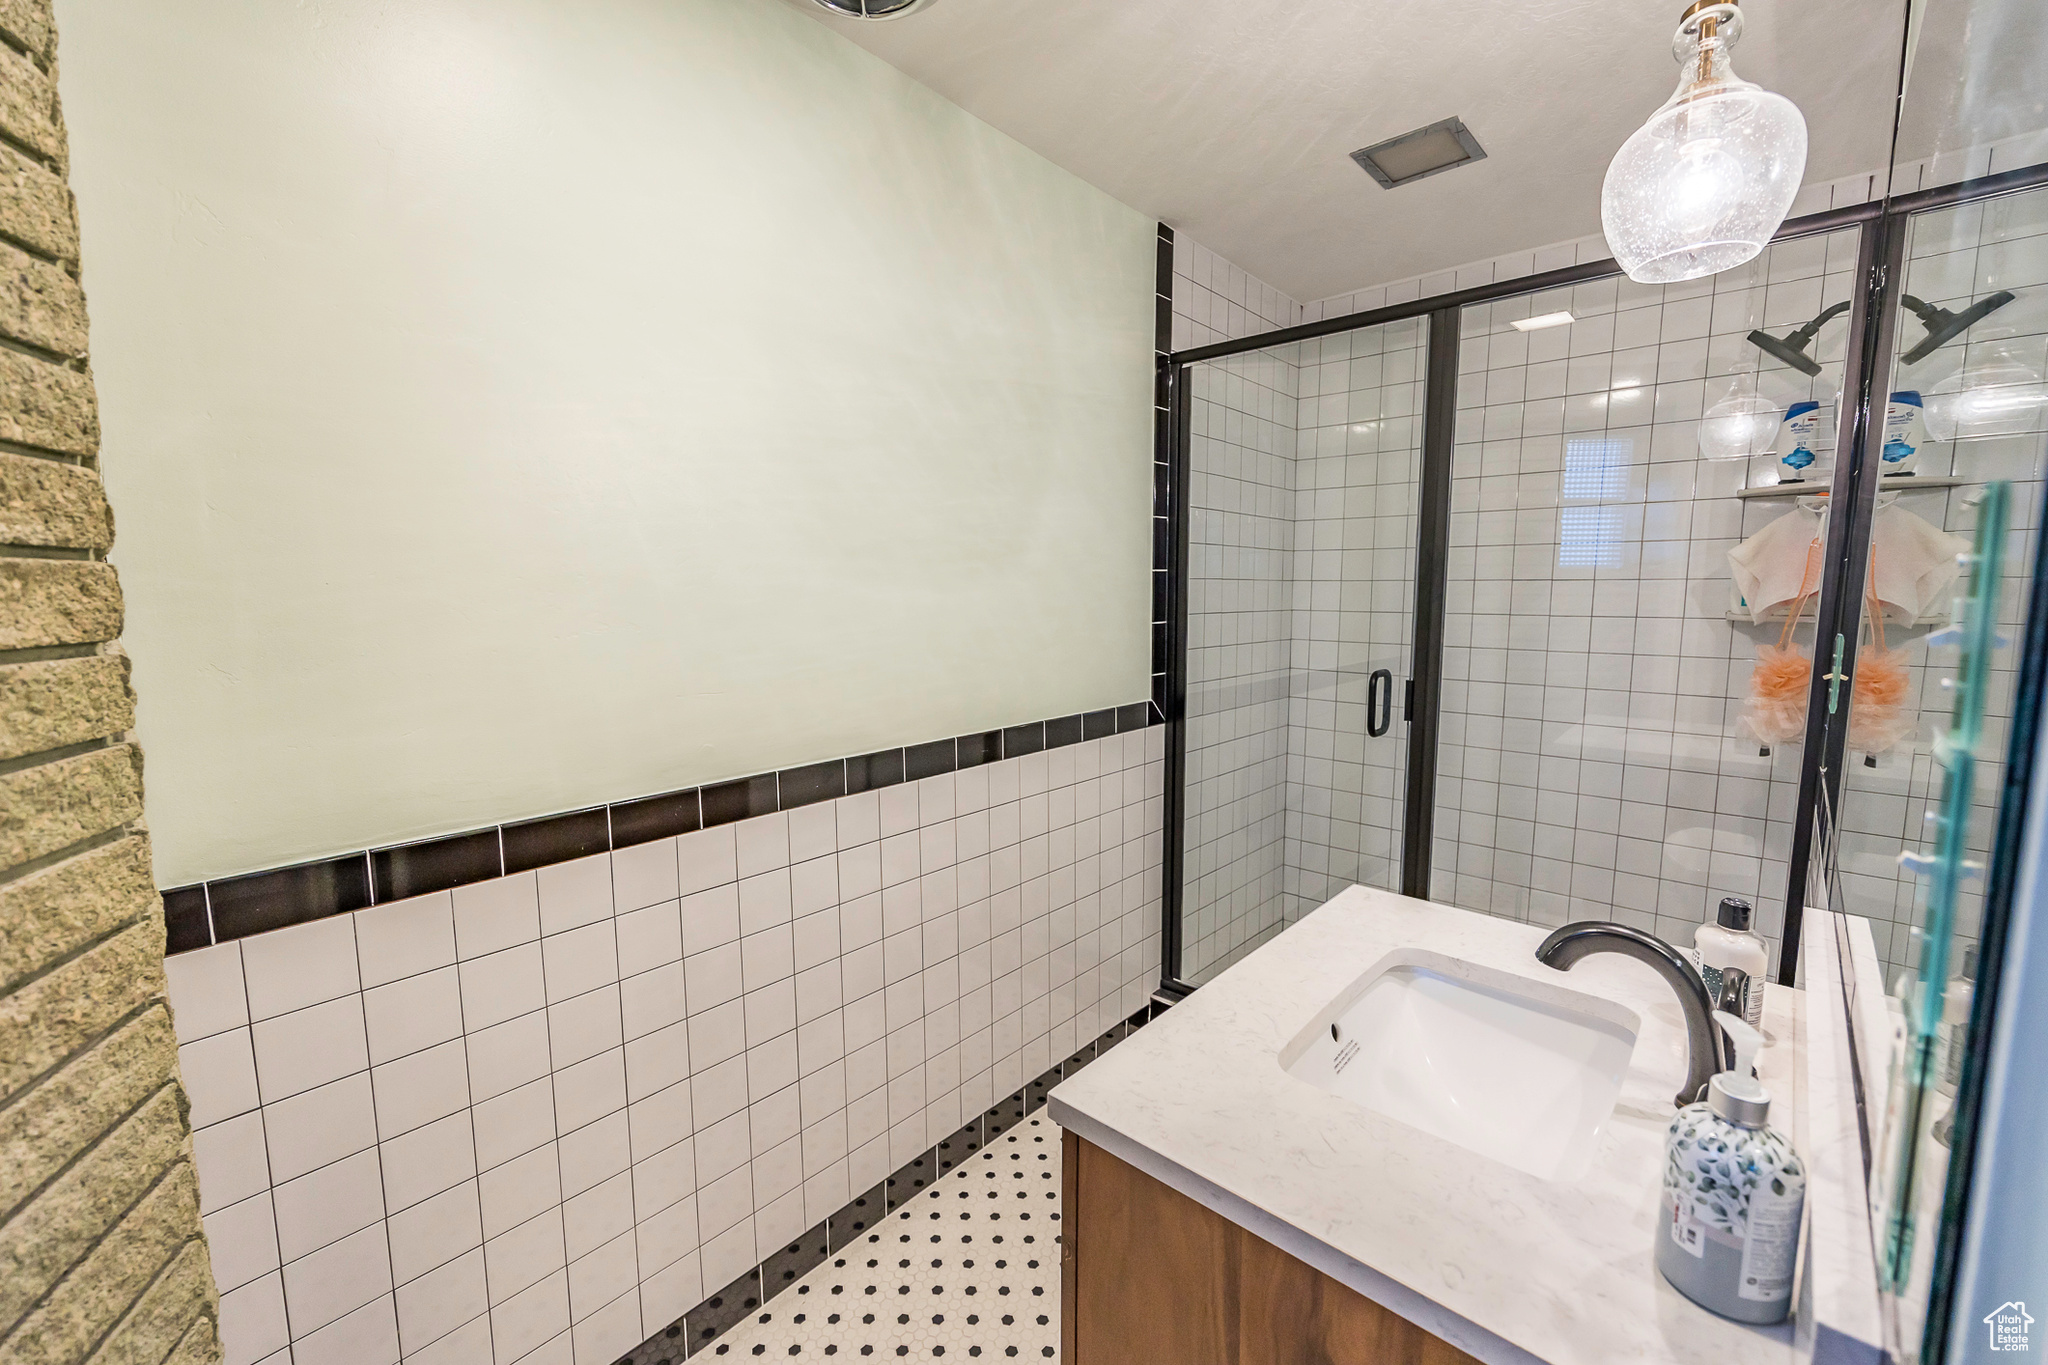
point(1459, 616)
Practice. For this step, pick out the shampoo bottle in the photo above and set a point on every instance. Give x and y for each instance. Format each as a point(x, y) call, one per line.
point(1798, 434)
point(1729, 942)
point(1905, 431)
point(1734, 1191)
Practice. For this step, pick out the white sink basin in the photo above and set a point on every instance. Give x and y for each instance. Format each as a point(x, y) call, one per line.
point(1514, 1069)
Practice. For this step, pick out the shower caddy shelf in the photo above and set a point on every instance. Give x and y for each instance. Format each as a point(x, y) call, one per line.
point(1897, 483)
point(1777, 618)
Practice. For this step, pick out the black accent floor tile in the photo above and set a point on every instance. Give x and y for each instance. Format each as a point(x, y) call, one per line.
point(740, 800)
point(185, 926)
point(1162, 483)
point(435, 865)
point(655, 817)
point(1159, 693)
point(810, 784)
point(1007, 1113)
point(1019, 740)
point(665, 1347)
point(1035, 1093)
point(737, 1301)
point(858, 1218)
point(973, 750)
point(1099, 724)
point(883, 768)
point(1066, 730)
point(263, 901)
point(1160, 598)
point(794, 1261)
point(962, 1143)
point(1132, 717)
point(557, 839)
point(1159, 647)
point(1077, 1061)
point(912, 1179)
point(928, 760)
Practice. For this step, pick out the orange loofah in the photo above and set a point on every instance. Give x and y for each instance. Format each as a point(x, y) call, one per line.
point(1777, 695)
point(1877, 720)
point(1877, 703)
point(1776, 713)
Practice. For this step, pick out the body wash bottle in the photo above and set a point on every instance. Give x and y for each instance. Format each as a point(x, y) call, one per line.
point(1734, 1191)
point(1729, 942)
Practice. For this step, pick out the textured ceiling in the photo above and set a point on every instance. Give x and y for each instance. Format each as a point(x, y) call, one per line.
point(1233, 119)
point(1976, 76)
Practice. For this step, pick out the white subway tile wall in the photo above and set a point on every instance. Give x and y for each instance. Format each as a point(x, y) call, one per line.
point(1591, 764)
point(1304, 463)
point(1357, 471)
point(540, 1117)
point(1987, 399)
point(1240, 540)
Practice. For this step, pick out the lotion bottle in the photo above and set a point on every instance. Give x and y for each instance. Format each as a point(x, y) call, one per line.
point(1734, 1192)
point(1729, 942)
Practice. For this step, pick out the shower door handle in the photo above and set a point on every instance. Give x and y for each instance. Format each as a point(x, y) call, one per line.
point(1379, 702)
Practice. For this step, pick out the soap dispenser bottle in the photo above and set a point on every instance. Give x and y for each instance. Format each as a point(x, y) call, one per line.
point(1734, 1191)
point(1731, 942)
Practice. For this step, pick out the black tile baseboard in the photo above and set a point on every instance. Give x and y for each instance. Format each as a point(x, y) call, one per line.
point(227, 908)
point(697, 1331)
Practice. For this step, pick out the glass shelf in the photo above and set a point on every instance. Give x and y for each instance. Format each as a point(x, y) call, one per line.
point(1897, 483)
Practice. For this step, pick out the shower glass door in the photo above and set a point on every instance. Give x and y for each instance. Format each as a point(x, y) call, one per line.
point(1596, 758)
point(1981, 395)
point(1929, 708)
point(1303, 477)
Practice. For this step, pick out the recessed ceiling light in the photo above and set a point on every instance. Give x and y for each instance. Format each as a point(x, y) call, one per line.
point(1542, 320)
point(1423, 152)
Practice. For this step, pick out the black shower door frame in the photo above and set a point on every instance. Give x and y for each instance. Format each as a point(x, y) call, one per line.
point(1872, 323)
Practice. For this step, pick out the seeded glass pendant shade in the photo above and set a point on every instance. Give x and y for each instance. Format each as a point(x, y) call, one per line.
point(1702, 186)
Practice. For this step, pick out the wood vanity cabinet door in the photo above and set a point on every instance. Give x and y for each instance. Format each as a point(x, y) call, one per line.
point(1148, 1275)
point(1154, 1273)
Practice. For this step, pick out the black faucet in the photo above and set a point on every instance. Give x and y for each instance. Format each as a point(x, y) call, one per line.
point(1567, 946)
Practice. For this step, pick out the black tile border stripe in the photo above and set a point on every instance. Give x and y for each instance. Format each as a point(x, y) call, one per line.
point(699, 1329)
point(228, 908)
point(1163, 491)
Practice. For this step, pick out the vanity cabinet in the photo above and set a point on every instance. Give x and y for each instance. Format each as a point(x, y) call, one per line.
point(1149, 1275)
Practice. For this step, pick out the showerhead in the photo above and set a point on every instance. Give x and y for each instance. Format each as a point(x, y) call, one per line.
point(1791, 348)
point(1943, 326)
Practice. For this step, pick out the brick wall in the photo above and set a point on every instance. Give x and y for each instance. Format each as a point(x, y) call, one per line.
point(101, 1254)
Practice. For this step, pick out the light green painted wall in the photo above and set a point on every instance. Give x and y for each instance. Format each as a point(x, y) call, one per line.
point(518, 406)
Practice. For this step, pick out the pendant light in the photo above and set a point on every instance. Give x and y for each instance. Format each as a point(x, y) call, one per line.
point(1704, 183)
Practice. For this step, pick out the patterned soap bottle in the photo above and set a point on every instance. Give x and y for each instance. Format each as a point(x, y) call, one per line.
point(1734, 1190)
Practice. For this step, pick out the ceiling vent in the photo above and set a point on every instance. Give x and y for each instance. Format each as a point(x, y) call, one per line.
point(1412, 156)
point(873, 9)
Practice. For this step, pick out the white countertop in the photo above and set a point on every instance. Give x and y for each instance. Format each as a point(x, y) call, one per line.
point(1505, 1265)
